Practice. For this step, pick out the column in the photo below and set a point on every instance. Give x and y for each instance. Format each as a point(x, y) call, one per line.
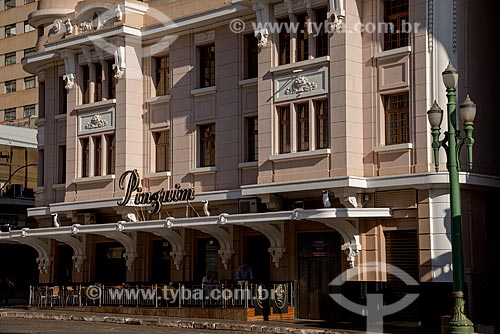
point(92, 77)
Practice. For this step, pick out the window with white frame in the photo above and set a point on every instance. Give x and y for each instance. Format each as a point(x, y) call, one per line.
point(10, 86)
point(303, 126)
point(10, 30)
point(29, 110)
point(10, 4)
point(207, 145)
point(29, 51)
point(10, 58)
point(29, 82)
point(28, 27)
point(9, 114)
point(162, 141)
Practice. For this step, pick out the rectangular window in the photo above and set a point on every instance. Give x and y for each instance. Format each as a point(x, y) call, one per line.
point(284, 43)
point(207, 145)
point(10, 86)
point(41, 165)
point(252, 129)
point(162, 75)
point(98, 156)
point(251, 56)
point(110, 159)
point(396, 16)
point(161, 151)
point(111, 80)
point(61, 168)
point(29, 1)
point(10, 58)
point(85, 157)
point(322, 125)
point(10, 114)
point(29, 51)
point(302, 126)
point(85, 84)
point(322, 37)
point(29, 82)
point(284, 129)
point(29, 111)
point(207, 65)
point(302, 38)
point(397, 119)
point(98, 82)
point(10, 4)
point(63, 97)
point(10, 30)
point(28, 27)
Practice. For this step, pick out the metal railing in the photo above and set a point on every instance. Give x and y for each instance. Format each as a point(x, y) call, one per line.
point(172, 295)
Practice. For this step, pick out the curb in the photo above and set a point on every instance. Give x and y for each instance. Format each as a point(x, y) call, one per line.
point(163, 322)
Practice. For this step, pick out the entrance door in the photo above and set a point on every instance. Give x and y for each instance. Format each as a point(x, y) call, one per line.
point(319, 264)
point(207, 259)
point(402, 252)
point(257, 257)
point(110, 268)
point(161, 262)
point(64, 264)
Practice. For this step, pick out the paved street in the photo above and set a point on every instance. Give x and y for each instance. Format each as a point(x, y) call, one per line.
point(37, 326)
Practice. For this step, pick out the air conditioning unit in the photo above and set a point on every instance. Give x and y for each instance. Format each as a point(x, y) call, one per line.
point(86, 218)
point(248, 205)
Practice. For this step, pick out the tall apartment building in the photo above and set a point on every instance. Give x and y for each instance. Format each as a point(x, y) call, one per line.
point(18, 94)
point(171, 145)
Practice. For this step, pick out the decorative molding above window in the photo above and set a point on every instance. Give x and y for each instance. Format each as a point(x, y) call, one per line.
point(301, 155)
point(204, 170)
point(95, 179)
point(204, 37)
point(97, 121)
point(299, 85)
point(204, 91)
point(393, 148)
point(160, 175)
point(159, 99)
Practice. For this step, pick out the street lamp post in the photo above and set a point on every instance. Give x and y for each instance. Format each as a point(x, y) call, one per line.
point(452, 143)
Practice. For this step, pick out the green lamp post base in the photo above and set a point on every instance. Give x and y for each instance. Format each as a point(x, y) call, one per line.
point(459, 324)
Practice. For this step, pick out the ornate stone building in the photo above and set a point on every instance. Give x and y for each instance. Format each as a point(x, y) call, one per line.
point(187, 136)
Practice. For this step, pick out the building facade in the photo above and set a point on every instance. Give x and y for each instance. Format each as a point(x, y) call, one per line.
point(182, 137)
point(18, 93)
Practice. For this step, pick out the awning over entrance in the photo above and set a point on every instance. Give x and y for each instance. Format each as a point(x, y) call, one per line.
point(270, 224)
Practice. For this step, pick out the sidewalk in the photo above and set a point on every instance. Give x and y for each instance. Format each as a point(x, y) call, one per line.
point(281, 327)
